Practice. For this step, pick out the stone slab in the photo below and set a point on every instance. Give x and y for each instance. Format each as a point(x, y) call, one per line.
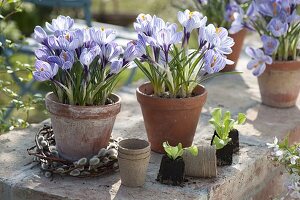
point(250, 176)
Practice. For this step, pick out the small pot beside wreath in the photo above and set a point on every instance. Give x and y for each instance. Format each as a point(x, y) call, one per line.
point(171, 171)
point(225, 138)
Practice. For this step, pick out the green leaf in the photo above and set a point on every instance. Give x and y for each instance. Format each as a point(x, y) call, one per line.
point(241, 119)
point(217, 115)
point(193, 150)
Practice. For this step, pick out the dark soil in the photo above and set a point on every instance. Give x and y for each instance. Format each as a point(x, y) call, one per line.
point(171, 171)
point(224, 155)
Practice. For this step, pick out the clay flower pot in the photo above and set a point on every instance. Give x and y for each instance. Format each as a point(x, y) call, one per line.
point(171, 172)
point(279, 84)
point(81, 131)
point(133, 159)
point(172, 120)
point(236, 49)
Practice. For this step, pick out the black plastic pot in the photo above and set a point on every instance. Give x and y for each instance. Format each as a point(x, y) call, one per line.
point(171, 172)
point(224, 155)
point(234, 135)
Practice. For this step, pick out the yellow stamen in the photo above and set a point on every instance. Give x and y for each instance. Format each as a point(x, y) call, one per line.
point(65, 56)
point(42, 69)
point(67, 36)
point(218, 30)
point(191, 14)
point(102, 28)
point(143, 17)
point(274, 8)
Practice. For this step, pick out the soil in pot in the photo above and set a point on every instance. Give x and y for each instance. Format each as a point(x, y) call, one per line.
point(171, 172)
point(224, 155)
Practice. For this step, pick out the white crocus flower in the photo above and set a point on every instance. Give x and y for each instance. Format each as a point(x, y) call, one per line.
point(293, 159)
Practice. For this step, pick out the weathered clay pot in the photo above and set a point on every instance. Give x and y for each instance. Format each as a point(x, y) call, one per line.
point(279, 84)
point(236, 49)
point(133, 159)
point(81, 131)
point(172, 120)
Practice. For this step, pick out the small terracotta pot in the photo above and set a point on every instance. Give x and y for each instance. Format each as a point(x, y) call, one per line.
point(279, 84)
point(81, 131)
point(133, 159)
point(236, 49)
point(173, 120)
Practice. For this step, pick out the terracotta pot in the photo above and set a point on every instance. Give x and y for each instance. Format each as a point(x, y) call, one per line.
point(173, 120)
point(81, 131)
point(133, 159)
point(236, 49)
point(279, 84)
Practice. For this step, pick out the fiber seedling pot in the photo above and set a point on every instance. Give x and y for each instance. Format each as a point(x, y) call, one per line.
point(203, 165)
point(171, 172)
point(279, 84)
point(133, 159)
point(81, 131)
point(236, 49)
point(170, 119)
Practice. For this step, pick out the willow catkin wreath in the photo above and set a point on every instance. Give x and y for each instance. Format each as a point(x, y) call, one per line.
point(47, 156)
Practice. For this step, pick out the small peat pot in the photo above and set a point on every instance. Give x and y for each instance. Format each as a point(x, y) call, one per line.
point(203, 165)
point(224, 155)
point(171, 172)
point(133, 159)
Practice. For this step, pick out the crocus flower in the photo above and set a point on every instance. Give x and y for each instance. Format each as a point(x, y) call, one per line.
point(259, 60)
point(65, 60)
point(130, 52)
point(277, 27)
point(60, 24)
point(191, 20)
point(167, 37)
point(39, 34)
point(88, 55)
point(218, 39)
point(116, 66)
point(213, 61)
point(44, 71)
point(270, 44)
point(102, 36)
point(42, 53)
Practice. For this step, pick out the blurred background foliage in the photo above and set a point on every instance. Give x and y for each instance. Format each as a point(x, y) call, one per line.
point(17, 21)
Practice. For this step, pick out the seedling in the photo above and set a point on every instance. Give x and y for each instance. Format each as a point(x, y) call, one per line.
point(177, 151)
point(223, 124)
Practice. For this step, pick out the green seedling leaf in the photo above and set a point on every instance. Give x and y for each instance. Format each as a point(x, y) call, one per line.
point(241, 118)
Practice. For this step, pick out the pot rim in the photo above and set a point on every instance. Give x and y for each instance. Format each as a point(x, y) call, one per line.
point(50, 95)
point(170, 99)
point(82, 112)
point(128, 151)
point(289, 65)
